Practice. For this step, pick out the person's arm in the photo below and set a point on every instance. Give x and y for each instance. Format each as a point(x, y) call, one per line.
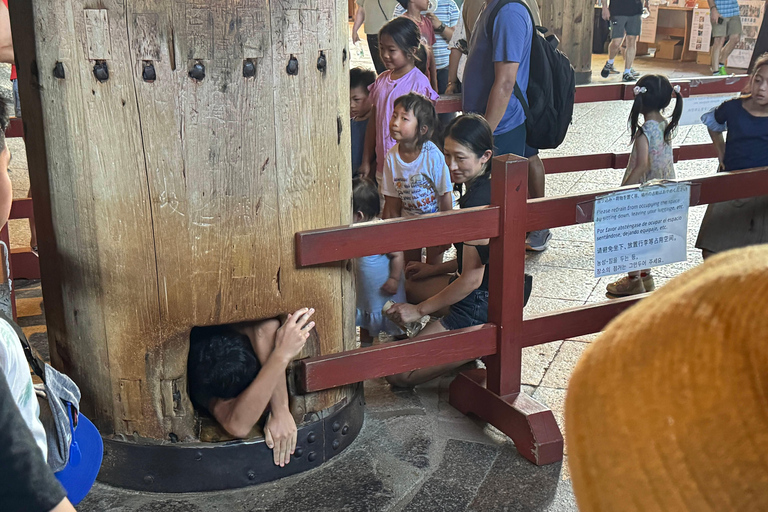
point(396, 264)
point(642, 161)
point(606, 11)
point(501, 91)
point(714, 14)
point(280, 431)
point(6, 190)
point(719, 142)
point(453, 70)
point(416, 270)
point(445, 202)
point(393, 207)
point(432, 68)
point(6, 41)
point(447, 32)
point(369, 146)
point(359, 19)
point(470, 279)
point(240, 414)
point(64, 506)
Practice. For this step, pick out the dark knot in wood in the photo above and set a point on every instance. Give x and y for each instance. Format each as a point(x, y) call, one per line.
point(58, 71)
point(101, 71)
point(293, 66)
point(149, 74)
point(322, 62)
point(197, 72)
point(249, 68)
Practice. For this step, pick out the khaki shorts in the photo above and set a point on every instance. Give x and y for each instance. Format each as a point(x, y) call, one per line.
point(729, 27)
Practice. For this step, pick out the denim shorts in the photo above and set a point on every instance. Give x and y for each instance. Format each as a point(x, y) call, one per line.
point(469, 311)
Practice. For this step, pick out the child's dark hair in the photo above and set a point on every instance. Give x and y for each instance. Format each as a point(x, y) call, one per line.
point(405, 33)
point(421, 60)
point(221, 363)
point(473, 132)
point(424, 111)
point(365, 198)
point(654, 92)
point(761, 61)
point(361, 77)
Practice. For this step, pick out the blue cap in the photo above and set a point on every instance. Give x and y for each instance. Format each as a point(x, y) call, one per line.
point(85, 455)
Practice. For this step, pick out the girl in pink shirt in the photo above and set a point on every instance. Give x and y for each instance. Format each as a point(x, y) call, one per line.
point(399, 41)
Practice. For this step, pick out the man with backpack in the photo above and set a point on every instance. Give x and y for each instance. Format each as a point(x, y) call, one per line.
point(499, 59)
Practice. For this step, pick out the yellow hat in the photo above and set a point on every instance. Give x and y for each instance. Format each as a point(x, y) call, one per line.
point(668, 409)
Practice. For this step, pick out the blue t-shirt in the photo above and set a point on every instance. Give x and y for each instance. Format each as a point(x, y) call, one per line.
point(747, 144)
point(510, 42)
point(357, 130)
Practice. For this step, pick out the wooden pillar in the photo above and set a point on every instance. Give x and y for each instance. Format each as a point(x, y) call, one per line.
point(573, 23)
point(170, 203)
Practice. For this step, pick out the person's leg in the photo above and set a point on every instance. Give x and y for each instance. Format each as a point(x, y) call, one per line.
point(373, 46)
point(422, 375)
point(615, 47)
point(536, 240)
point(717, 47)
point(733, 28)
point(629, 55)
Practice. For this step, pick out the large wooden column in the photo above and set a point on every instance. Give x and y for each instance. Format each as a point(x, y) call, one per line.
point(572, 22)
point(167, 194)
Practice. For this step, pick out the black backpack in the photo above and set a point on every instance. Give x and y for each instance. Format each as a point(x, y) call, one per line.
point(551, 86)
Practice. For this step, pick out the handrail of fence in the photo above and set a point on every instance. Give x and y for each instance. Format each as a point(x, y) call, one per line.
point(624, 91)
point(493, 395)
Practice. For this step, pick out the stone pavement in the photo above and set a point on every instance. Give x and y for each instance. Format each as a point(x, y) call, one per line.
point(415, 451)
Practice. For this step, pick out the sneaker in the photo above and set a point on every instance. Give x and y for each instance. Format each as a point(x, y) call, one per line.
point(648, 283)
point(411, 329)
point(636, 74)
point(538, 241)
point(722, 71)
point(608, 69)
point(626, 286)
point(628, 77)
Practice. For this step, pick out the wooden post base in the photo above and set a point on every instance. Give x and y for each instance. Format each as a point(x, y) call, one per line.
point(530, 425)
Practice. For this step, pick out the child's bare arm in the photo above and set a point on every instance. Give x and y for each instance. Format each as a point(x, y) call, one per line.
point(369, 146)
point(643, 161)
point(432, 68)
point(396, 264)
point(719, 143)
point(445, 202)
point(393, 207)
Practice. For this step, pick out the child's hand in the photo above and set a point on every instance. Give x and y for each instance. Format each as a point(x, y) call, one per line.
point(292, 335)
point(391, 286)
point(417, 270)
point(451, 89)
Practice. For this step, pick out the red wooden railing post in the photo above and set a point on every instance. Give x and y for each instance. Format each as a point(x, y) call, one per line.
point(509, 191)
point(494, 394)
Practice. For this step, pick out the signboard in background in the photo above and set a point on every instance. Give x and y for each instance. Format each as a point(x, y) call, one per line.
point(696, 106)
point(751, 12)
point(701, 31)
point(641, 228)
point(648, 30)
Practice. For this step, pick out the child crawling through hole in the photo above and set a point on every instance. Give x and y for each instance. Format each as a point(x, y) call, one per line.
point(235, 372)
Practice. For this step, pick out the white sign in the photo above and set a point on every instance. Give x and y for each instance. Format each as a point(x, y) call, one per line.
point(696, 106)
point(751, 12)
point(648, 30)
point(641, 228)
point(701, 31)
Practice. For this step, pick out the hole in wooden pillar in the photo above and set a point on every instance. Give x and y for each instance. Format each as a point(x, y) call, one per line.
point(223, 361)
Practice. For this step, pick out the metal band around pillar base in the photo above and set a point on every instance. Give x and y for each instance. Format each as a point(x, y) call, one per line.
point(197, 467)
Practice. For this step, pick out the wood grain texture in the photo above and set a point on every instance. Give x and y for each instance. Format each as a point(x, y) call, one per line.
point(572, 22)
point(172, 203)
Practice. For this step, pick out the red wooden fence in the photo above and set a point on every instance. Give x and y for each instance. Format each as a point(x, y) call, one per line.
point(494, 395)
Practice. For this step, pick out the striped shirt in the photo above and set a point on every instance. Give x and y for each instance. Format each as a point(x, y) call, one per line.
point(727, 8)
point(448, 13)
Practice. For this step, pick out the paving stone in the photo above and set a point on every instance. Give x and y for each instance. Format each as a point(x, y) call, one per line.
point(564, 254)
point(539, 305)
point(536, 360)
point(576, 232)
point(559, 371)
point(455, 482)
point(561, 283)
point(514, 484)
